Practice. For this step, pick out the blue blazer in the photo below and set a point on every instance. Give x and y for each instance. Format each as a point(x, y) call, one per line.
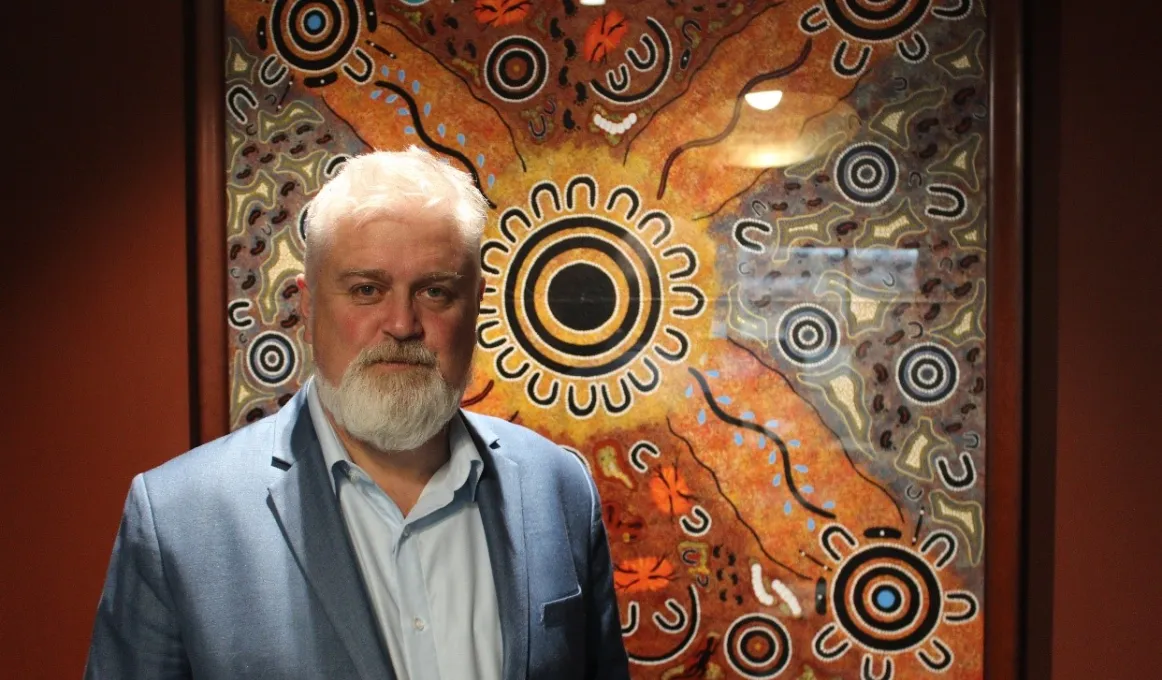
point(233, 561)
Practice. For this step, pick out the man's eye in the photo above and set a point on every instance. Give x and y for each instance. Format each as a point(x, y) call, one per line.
point(365, 290)
point(435, 293)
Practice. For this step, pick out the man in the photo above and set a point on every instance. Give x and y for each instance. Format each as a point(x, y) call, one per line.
point(370, 529)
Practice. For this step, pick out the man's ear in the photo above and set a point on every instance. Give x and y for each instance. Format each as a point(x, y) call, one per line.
point(305, 303)
point(480, 292)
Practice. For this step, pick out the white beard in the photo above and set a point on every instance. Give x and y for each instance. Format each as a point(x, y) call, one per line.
point(392, 411)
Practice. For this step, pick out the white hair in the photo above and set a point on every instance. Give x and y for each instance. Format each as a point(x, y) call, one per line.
point(394, 185)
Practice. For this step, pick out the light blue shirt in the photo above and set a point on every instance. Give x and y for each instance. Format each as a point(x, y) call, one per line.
point(428, 574)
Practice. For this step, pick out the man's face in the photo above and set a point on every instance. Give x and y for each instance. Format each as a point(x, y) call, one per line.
point(387, 285)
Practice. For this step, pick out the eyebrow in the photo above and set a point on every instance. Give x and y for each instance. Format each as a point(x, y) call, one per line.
point(383, 277)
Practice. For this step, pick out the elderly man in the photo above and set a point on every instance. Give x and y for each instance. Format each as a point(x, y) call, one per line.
point(370, 529)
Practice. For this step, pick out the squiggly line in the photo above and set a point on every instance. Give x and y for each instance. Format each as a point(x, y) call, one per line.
point(423, 134)
point(477, 398)
point(737, 513)
point(755, 427)
point(816, 410)
point(750, 84)
point(802, 127)
point(740, 193)
point(468, 85)
point(690, 79)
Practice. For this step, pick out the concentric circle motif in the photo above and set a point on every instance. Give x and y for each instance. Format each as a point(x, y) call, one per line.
point(887, 598)
point(272, 358)
point(757, 646)
point(516, 69)
point(872, 21)
point(585, 306)
point(866, 173)
point(808, 335)
point(314, 36)
point(927, 374)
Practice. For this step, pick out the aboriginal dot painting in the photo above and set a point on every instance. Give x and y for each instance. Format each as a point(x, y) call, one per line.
point(735, 262)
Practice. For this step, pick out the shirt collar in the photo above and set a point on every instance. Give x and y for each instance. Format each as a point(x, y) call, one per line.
point(463, 466)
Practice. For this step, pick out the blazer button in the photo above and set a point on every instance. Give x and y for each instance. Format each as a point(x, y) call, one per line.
point(419, 623)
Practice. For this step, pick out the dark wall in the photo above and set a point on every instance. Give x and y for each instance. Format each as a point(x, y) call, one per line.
point(92, 304)
point(1107, 591)
point(94, 380)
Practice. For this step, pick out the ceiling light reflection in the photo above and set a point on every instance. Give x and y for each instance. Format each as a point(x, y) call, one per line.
point(764, 100)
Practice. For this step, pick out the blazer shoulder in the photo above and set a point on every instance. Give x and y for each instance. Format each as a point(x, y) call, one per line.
point(214, 467)
point(539, 458)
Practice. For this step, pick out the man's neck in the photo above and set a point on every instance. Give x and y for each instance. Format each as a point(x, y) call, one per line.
point(401, 474)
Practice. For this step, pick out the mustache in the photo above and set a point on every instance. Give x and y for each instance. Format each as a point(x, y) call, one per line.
point(397, 352)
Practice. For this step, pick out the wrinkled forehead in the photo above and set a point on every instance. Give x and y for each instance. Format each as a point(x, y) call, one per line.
point(400, 238)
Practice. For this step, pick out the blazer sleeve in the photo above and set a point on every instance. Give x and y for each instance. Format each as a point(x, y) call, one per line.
point(605, 657)
point(136, 635)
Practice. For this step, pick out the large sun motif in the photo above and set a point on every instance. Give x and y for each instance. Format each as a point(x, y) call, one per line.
point(886, 599)
point(588, 297)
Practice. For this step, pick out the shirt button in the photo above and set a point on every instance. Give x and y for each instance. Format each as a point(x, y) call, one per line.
point(419, 623)
point(407, 531)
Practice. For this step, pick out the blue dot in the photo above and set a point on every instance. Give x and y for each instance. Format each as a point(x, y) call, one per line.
point(441, 129)
point(409, 130)
point(428, 108)
point(480, 160)
point(315, 21)
point(491, 180)
point(808, 489)
point(403, 111)
point(771, 458)
point(776, 480)
point(385, 70)
point(829, 505)
point(375, 94)
point(402, 75)
point(810, 524)
point(701, 416)
point(787, 508)
point(712, 374)
point(416, 86)
point(801, 468)
point(689, 391)
point(794, 443)
point(391, 98)
point(771, 424)
point(763, 443)
point(724, 400)
point(887, 599)
point(461, 138)
point(747, 415)
point(737, 438)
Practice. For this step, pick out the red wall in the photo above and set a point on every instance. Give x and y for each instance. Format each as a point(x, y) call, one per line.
point(1107, 589)
point(94, 381)
point(94, 376)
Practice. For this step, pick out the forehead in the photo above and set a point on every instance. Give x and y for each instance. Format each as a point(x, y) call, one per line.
point(400, 244)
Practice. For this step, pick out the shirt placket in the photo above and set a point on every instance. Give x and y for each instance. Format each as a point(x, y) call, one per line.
point(415, 609)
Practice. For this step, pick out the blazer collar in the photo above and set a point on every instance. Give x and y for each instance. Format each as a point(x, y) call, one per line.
point(500, 499)
point(305, 506)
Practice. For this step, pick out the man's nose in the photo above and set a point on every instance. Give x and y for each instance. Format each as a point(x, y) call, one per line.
point(400, 319)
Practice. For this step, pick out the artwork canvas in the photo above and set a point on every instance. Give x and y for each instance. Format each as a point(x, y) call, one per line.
point(735, 262)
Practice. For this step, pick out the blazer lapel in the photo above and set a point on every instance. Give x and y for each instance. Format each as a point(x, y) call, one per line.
point(304, 504)
point(498, 496)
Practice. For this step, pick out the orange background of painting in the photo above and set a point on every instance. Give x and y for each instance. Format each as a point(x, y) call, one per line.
point(95, 377)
